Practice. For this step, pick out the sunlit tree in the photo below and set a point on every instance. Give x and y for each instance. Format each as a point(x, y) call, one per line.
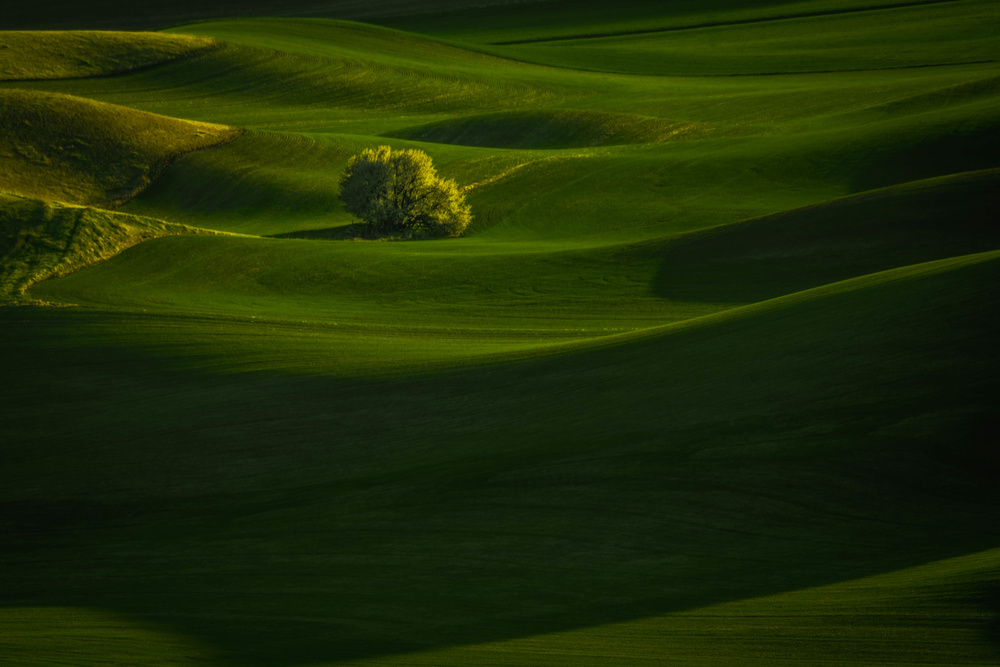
point(401, 192)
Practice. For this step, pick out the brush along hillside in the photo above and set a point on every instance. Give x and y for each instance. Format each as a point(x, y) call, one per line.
point(710, 379)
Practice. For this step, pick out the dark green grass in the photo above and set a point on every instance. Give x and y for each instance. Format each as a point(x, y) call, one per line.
point(550, 129)
point(715, 398)
point(158, 14)
point(921, 35)
point(828, 438)
point(555, 20)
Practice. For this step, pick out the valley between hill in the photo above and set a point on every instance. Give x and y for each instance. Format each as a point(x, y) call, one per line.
point(711, 378)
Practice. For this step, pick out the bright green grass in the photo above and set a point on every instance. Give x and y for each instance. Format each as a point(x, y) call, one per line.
point(792, 142)
point(80, 151)
point(479, 298)
point(61, 55)
point(725, 397)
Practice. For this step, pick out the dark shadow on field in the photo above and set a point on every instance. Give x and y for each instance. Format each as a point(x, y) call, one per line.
point(294, 520)
point(796, 250)
point(158, 14)
point(339, 233)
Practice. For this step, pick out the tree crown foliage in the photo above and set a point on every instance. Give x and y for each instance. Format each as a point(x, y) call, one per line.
point(401, 192)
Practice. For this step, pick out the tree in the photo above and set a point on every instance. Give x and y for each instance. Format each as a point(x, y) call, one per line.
point(400, 192)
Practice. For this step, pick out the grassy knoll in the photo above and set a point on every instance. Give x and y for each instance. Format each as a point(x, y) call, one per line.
point(60, 55)
point(80, 151)
point(710, 380)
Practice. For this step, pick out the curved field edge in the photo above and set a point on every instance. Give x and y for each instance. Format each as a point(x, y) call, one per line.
point(40, 240)
point(501, 298)
point(928, 614)
point(243, 343)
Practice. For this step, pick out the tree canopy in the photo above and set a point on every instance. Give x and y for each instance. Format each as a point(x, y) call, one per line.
point(401, 192)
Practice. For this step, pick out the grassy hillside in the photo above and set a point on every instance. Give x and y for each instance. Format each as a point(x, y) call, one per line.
point(63, 55)
point(80, 151)
point(942, 33)
point(569, 492)
point(42, 240)
point(710, 380)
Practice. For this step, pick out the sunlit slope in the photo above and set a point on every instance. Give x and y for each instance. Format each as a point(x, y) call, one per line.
point(333, 307)
point(60, 55)
point(316, 75)
point(41, 240)
point(80, 151)
point(336, 76)
point(771, 143)
point(281, 183)
point(401, 306)
point(833, 436)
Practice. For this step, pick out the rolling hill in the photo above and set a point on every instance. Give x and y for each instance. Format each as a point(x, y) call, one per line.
point(711, 379)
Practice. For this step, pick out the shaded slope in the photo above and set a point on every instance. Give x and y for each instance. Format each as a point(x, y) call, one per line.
point(923, 34)
point(118, 15)
point(805, 248)
point(831, 438)
point(42, 240)
point(61, 55)
point(552, 20)
point(550, 129)
point(84, 152)
point(260, 183)
point(930, 614)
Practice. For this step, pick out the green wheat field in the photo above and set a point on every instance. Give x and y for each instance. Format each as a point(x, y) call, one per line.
point(711, 379)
